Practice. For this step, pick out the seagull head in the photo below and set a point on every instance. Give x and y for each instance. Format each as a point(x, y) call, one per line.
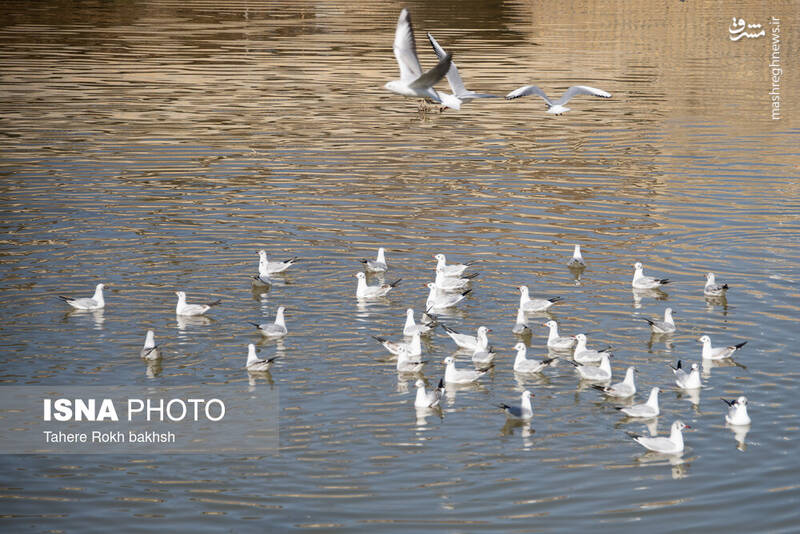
point(523, 290)
point(581, 338)
point(637, 266)
point(419, 383)
point(520, 346)
point(550, 324)
point(680, 425)
point(704, 339)
point(448, 360)
point(741, 401)
point(181, 295)
point(527, 394)
point(710, 277)
point(360, 275)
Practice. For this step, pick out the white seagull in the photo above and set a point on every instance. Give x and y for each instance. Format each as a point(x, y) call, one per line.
point(591, 373)
point(534, 305)
point(407, 364)
point(150, 349)
point(452, 283)
point(737, 412)
point(453, 78)
point(363, 291)
point(524, 365)
point(378, 265)
point(584, 355)
point(483, 356)
point(524, 411)
point(557, 107)
point(557, 342)
point(438, 299)
point(460, 376)
point(428, 399)
point(576, 260)
point(671, 445)
point(622, 390)
point(266, 267)
point(413, 83)
point(667, 326)
point(466, 341)
point(640, 281)
point(454, 269)
point(95, 303)
point(521, 324)
point(647, 410)
point(684, 380)
point(192, 309)
point(276, 329)
point(712, 288)
point(718, 353)
point(254, 363)
point(412, 348)
point(411, 327)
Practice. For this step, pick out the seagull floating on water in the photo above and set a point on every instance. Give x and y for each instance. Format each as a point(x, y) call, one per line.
point(266, 267)
point(556, 342)
point(621, 390)
point(378, 265)
point(584, 355)
point(577, 260)
point(466, 341)
point(408, 364)
point(276, 329)
point(671, 445)
point(460, 376)
point(411, 327)
point(647, 410)
point(413, 83)
point(718, 353)
point(557, 107)
point(150, 349)
point(524, 365)
point(483, 356)
point(363, 291)
point(412, 348)
point(192, 309)
point(95, 303)
point(521, 325)
point(690, 380)
point(534, 305)
point(438, 299)
point(591, 373)
point(452, 283)
point(667, 326)
point(454, 269)
point(256, 364)
point(454, 78)
point(737, 411)
point(712, 288)
point(428, 399)
point(640, 281)
point(524, 411)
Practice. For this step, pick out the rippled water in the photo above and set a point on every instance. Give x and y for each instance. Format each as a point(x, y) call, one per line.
point(156, 146)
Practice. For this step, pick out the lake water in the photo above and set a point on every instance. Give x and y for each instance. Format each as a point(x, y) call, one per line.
point(157, 146)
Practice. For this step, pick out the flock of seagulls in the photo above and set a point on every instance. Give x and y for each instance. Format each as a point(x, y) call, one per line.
point(449, 288)
point(414, 83)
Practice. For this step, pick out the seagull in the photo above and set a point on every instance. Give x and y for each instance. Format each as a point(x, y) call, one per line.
point(192, 309)
point(266, 267)
point(150, 349)
point(378, 265)
point(460, 376)
point(411, 327)
point(453, 78)
point(737, 411)
point(592, 373)
point(455, 269)
point(640, 281)
point(534, 305)
point(465, 341)
point(521, 324)
point(413, 83)
point(95, 303)
point(450, 283)
point(645, 411)
point(523, 411)
point(483, 356)
point(558, 107)
point(413, 348)
point(718, 353)
point(428, 399)
point(438, 299)
point(584, 355)
point(622, 390)
point(363, 291)
point(256, 364)
point(276, 329)
point(407, 364)
point(671, 445)
point(577, 260)
point(556, 342)
point(524, 365)
point(690, 380)
point(712, 288)
point(667, 326)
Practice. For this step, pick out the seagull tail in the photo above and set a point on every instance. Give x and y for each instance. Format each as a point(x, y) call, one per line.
point(448, 329)
point(293, 259)
point(471, 276)
point(379, 339)
point(471, 262)
point(664, 280)
point(254, 324)
point(214, 303)
point(633, 435)
point(554, 299)
point(576, 364)
point(740, 345)
point(651, 323)
point(394, 284)
point(270, 360)
point(65, 299)
point(548, 361)
point(726, 401)
point(599, 388)
point(467, 292)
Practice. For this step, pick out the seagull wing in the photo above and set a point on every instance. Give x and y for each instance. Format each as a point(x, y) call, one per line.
point(430, 78)
point(453, 78)
point(580, 90)
point(405, 49)
point(528, 90)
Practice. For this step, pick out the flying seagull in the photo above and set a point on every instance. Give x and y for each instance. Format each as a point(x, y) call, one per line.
point(558, 107)
point(453, 78)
